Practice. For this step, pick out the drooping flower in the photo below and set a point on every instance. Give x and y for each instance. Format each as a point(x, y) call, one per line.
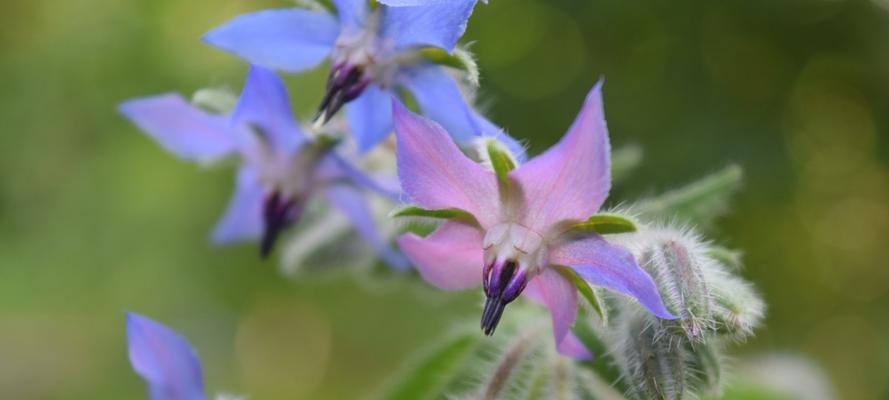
point(518, 236)
point(165, 360)
point(280, 170)
point(374, 52)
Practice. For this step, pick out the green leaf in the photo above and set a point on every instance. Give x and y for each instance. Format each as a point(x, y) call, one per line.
point(586, 292)
point(624, 160)
point(699, 202)
point(427, 376)
point(605, 223)
point(445, 213)
point(502, 163)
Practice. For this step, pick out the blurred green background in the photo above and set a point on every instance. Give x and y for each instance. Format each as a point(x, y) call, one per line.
point(95, 219)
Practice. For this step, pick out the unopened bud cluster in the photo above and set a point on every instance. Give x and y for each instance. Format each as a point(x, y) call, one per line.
point(681, 358)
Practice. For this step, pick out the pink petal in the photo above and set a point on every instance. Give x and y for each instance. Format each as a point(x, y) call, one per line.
point(604, 264)
point(451, 258)
point(570, 180)
point(559, 295)
point(436, 175)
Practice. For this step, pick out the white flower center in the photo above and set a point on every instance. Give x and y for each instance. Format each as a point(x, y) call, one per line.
point(511, 241)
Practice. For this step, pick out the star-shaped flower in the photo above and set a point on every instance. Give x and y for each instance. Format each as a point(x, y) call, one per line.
point(374, 52)
point(280, 170)
point(513, 232)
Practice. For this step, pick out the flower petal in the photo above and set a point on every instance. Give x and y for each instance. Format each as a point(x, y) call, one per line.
point(440, 25)
point(181, 128)
point(336, 167)
point(435, 174)
point(570, 180)
point(264, 103)
point(451, 258)
point(352, 13)
point(243, 216)
point(604, 264)
point(164, 359)
point(351, 202)
point(559, 295)
point(370, 117)
point(291, 40)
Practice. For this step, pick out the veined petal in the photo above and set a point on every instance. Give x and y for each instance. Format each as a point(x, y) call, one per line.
point(291, 40)
point(370, 117)
point(436, 175)
point(440, 99)
point(440, 25)
point(350, 201)
point(164, 359)
point(352, 13)
point(570, 181)
point(450, 258)
point(264, 104)
point(181, 128)
point(559, 295)
point(604, 264)
point(243, 217)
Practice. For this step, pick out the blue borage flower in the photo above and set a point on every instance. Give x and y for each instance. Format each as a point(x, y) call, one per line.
point(374, 52)
point(280, 170)
point(517, 235)
point(165, 360)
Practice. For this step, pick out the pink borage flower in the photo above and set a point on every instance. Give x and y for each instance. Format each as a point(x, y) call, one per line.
point(519, 234)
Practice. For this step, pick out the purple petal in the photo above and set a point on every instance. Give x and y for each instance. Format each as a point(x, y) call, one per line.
point(451, 258)
point(164, 359)
point(436, 175)
point(181, 128)
point(291, 40)
point(352, 13)
point(264, 104)
point(370, 117)
point(440, 99)
point(350, 201)
point(570, 180)
point(440, 25)
point(559, 295)
point(603, 264)
point(243, 217)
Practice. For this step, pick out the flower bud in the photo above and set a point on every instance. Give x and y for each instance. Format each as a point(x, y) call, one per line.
point(654, 365)
point(677, 263)
point(736, 308)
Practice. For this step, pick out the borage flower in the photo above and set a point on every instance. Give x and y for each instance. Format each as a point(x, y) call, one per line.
point(373, 51)
point(513, 232)
point(280, 169)
point(164, 359)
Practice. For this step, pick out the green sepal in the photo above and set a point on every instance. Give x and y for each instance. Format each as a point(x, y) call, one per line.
point(460, 59)
point(502, 163)
point(445, 213)
point(606, 223)
point(587, 292)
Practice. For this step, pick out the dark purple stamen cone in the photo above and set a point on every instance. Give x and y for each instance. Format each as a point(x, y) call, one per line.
point(344, 84)
point(278, 214)
point(503, 283)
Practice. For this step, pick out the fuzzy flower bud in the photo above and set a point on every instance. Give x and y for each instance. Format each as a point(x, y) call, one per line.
point(653, 365)
point(736, 307)
point(677, 263)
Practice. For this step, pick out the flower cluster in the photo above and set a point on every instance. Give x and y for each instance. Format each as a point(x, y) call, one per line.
point(506, 223)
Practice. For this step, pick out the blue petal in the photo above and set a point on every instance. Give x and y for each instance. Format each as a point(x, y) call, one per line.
point(439, 25)
point(370, 117)
point(440, 99)
point(264, 103)
point(391, 190)
point(164, 359)
point(243, 217)
point(181, 128)
point(350, 201)
point(352, 13)
point(291, 40)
